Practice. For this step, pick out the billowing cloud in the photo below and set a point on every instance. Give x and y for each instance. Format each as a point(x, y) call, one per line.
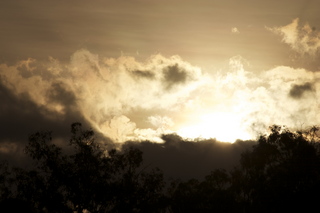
point(303, 39)
point(243, 104)
point(143, 97)
point(119, 128)
point(103, 90)
point(265, 99)
point(125, 99)
point(160, 125)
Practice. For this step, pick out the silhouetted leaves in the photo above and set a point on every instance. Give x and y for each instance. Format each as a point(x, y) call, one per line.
point(281, 173)
point(85, 178)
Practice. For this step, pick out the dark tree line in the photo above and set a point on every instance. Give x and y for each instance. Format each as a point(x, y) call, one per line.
point(280, 173)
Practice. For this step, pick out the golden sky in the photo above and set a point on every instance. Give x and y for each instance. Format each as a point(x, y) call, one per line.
point(136, 69)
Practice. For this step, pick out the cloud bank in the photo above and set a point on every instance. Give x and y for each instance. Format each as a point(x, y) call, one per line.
point(125, 99)
point(185, 159)
point(102, 91)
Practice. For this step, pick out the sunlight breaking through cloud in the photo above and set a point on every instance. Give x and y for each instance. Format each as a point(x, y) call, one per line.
point(223, 126)
point(167, 94)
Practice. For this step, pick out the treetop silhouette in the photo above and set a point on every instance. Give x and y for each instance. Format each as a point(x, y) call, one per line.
point(280, 173)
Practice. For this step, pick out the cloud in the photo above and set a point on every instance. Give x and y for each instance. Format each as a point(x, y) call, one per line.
point(119, 128)
point(297, 91)
point(160, 121)
point(254, 101)
point(185, 159)
point(174, 75)
point(235, 30)
point(125, 99)
point(103, 90)
point(160, 125)
point(303, 39)
point(144, 74)
point(20, 116)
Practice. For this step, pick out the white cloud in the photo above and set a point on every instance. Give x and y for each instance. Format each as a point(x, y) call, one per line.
point(303, 39)
point(106, 89)
point(169, 92)
point(119, 128)
point(160, 121)
point(235, 30)
point(265, 99)
point(282, 95)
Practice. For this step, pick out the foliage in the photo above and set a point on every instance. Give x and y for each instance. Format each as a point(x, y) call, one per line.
point(280, 173)
point(85, 179)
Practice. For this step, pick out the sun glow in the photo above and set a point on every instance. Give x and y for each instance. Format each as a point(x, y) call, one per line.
point(224, 127)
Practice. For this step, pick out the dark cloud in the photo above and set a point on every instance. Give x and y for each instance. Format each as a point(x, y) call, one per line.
point(144, 74)
point(60, 94)
point(174, 75)
point(298, 90)
point(18, 116)
point(184, 159)
point(21, 117)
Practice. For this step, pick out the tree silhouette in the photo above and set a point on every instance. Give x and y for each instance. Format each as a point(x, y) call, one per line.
point(211, 195)
point(88, 178)
point(280, 173)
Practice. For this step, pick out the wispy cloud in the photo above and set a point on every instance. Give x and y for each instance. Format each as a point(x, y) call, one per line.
point(303, 39)
point(235, 30)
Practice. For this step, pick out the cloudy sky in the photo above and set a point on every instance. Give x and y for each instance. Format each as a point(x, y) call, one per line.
point(137, 69)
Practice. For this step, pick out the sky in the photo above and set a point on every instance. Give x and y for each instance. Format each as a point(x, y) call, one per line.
point(138, 69)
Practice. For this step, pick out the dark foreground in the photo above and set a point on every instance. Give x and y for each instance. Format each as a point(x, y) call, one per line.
point(280, 173)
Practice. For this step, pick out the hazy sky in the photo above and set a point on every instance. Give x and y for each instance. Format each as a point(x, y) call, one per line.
point(136, 69)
